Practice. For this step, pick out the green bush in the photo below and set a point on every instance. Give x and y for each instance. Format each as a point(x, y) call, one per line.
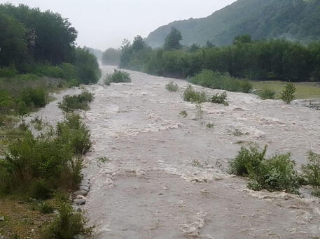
point(172, 87)
point(220, 98)
point(118, 77)
point(247, 161)
point(76, 102)
point(67, 225)
point(8, 72)
point(191, 95)
point(216, 80)
point(38, 166)
point(50, 71)
point(275, 174)
point(74, 134)
point(311, 171)
point(287, 95)
point(34, 97)
point(266, 93)
point(46, 208)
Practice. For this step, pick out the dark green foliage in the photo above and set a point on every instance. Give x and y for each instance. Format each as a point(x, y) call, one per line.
point(76, 102)
point(311, 171)
point(194, 96)
point(111, 57)
point(118, 77)
point(8, 72)
point(274, 174)
point(46, 208)
point(217, 80)
point(290, 19)
point(37, 166)
point(247, 161)
point(74, 134)
point(219, 98)
point(67, 225)
point(172, 87)
point(34, 97)
point(266, 93)
point(287, 95)
point(172, 41)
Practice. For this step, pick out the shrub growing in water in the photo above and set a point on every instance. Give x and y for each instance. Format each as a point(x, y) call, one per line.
point(287, 95)
point(76, 102)
point(191, 95)
point(311, 171)
point(172, 87)
point(277, 173)
point(266, 93)
point(220, 98)
point(118, 77)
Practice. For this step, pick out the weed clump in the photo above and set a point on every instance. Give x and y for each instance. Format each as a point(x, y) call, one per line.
point(266, 93)
point(287, 95)
point(220, 99)
point(118, 77)
point(76, 102)
point(67, 225)
point(172, 87)
point(193, 96)
point(183, 114)
point(274, 174)
point(311, 171)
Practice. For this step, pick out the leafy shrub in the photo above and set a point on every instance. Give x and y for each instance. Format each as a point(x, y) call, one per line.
point(48, 70)
point(172, 87)
point(67, 225)
point(46, 208)
point(220, 98)
point(277, 173)
point(216, 80)
point(311, 171)
point(34, 97)
point(8, 72)
point(183, 113)
point(40, 165)
point(316, 192)
point(40, 190)
point(247, 161)
point(74, 134)
point(118, 77)
point(76, 102)
point(266, 93)
point(191, 95)
point(287, 95)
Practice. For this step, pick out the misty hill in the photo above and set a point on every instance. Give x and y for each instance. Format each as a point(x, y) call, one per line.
point(289, 19)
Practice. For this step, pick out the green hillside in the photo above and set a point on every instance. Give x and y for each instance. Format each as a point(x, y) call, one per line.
point(289, 19)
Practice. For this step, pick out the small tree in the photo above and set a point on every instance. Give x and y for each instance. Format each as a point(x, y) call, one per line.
point(287, 95)
point(172, 41)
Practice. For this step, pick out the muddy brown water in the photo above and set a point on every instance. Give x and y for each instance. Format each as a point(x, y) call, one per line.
point(165, 175)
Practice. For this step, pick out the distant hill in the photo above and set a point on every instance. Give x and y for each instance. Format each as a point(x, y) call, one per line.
point(289, 19)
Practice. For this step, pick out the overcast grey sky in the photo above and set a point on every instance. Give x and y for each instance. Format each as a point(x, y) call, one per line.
point(105, 23)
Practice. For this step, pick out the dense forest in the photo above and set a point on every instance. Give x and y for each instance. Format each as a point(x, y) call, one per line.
point(42, 43)
point(274, 59)
point(287, 19)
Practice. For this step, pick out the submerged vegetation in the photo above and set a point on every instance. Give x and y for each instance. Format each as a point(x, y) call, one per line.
point(76, 102)
point(117, 76)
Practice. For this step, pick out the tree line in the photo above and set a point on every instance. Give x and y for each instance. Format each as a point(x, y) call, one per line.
point(31, 39)
point(274, 59)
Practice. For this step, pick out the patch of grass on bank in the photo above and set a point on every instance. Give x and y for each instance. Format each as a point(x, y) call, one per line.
point(76, 102)
point(305, 90)
point(172, 87)
point(216, 80)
